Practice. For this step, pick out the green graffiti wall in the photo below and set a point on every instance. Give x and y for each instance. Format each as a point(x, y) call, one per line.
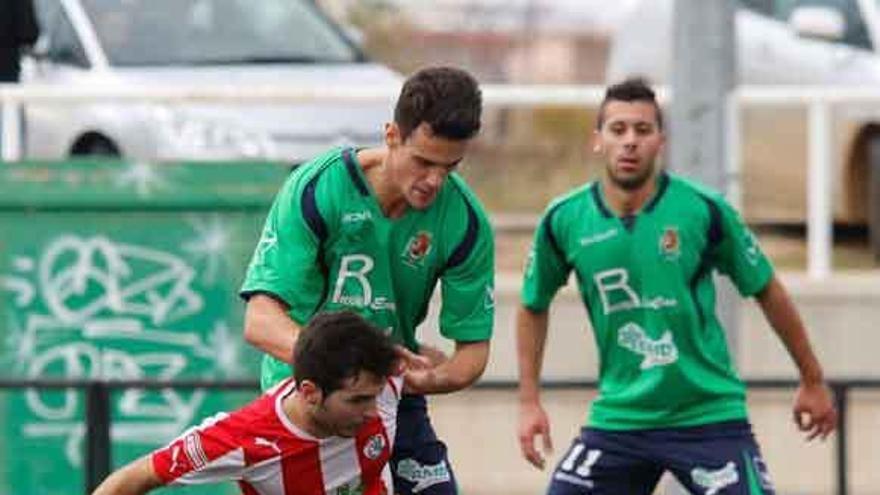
point(125, 271)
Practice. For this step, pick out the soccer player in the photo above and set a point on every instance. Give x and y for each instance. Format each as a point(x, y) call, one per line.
point(643, 244)
point(327, 430)
point(373, 230)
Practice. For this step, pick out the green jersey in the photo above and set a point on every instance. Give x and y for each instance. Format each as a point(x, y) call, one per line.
point(646, 281)
point(327, 245)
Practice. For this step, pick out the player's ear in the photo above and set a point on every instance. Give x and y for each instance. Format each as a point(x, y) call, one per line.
point(597, 142)
point(392, 134)
point(312, 393)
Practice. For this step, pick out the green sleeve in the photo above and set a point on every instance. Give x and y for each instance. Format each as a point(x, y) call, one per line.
point(546, 269)
point(738, 255)
point(284, 262)
point(467, 312)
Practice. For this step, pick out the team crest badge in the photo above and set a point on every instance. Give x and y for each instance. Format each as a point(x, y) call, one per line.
point(670, 243)
point(418, 247)
point(374, 447)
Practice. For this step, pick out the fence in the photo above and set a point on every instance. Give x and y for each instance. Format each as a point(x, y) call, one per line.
point(98, 411)
point(821, 103)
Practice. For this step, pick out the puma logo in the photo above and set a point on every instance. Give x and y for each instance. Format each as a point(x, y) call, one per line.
point(266, 443)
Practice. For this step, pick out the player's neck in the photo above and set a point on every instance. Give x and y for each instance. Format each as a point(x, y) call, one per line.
point(390, 199)
point(626, 202)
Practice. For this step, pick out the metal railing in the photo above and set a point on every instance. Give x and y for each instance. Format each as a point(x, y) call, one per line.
point(820, 103)
point(98, 410)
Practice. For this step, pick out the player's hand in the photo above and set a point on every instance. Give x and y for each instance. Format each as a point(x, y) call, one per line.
point(418, 381)
point(408, 360)
point(533, 422)
point(434, 354)
point(814, 411)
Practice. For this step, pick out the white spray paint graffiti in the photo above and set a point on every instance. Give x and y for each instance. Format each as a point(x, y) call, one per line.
point(114, 310)
point(71, 266)
point(141, 177)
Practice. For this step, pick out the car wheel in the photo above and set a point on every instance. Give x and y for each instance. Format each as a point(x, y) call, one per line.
point(873, 185)
point(96, 146)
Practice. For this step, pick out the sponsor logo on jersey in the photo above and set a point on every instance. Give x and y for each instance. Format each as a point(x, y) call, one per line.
point(417, 248)
point(658, 303)
point(600, 237)
point(618, 295)
point(752, 251)
point(357, 216)
point(489, 299)
point(353, 287)
point(658, 352)
point(374, 447)
point(715, 480)
point(268, 241)
point(670, 243)
point(423, 475)
point(529, 268)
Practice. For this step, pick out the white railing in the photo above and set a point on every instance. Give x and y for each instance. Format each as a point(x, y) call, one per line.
point(818, 101)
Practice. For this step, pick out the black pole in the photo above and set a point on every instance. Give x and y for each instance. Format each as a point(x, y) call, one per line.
point(840, 399)
point(97, 434)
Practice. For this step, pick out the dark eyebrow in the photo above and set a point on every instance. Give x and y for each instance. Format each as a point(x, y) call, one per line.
point(432, 163)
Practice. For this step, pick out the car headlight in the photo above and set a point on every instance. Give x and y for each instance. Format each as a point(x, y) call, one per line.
point(195, 137)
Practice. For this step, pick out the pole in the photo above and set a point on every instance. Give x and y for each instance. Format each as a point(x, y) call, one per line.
point(98, 461)
point(703, 81)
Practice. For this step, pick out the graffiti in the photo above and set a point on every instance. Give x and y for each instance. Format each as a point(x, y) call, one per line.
point(72, 268)
point(210, 245)
point(92, 307)
point(143, 177)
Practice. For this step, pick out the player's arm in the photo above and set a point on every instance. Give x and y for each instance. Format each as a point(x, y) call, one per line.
point(814, 410)
point(739, 255)
point(268, 327)
point(283, 277)
point(546, 271)
point(136, 478)
point(531, 336)
point(468, 309)
point(458, 372)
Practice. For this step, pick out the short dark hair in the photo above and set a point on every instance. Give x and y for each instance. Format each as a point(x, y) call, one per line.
point(630, 90)
point(336, 346)
point(446, 98)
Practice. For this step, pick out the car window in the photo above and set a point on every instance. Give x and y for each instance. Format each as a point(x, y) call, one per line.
point(856, 33)
point(64, 45)
point(764, 7)
point(182, 32)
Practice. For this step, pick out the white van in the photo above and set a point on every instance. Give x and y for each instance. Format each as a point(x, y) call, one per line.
point(146, 43)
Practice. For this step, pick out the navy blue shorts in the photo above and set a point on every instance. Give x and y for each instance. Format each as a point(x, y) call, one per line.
point(714, 459)
point(419, 462)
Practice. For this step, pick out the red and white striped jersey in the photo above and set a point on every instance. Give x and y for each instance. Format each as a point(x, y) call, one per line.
point(267, 454)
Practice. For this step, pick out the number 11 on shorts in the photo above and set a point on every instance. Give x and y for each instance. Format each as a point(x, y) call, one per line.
point(583, 470)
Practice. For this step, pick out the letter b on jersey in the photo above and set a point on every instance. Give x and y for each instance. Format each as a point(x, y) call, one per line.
point(352, 285)
point(615, 291)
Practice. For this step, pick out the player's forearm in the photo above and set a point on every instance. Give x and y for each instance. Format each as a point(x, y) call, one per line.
point(268, 327)
point(531, 335)
point(136, 478)
point(782, 315)
point(460, 371)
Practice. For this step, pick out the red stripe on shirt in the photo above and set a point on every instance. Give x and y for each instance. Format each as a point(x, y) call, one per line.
point(373, 452)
